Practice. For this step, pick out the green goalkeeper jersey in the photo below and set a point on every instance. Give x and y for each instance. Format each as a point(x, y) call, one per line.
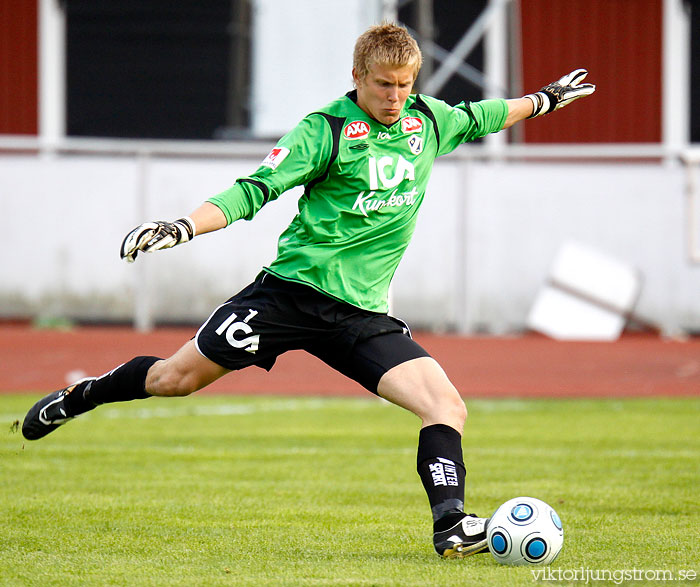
point(364, 183)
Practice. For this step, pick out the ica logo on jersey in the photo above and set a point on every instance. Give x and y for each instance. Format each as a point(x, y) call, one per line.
point(389, 173)
point(386, 173)
point(358, 129)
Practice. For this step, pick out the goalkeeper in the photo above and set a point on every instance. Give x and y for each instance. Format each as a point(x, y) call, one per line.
point(364, 161)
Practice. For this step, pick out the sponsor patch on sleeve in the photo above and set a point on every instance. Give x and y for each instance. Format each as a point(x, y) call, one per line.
point(275, 157)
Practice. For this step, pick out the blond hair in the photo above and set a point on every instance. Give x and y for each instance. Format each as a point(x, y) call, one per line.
point(386, 44)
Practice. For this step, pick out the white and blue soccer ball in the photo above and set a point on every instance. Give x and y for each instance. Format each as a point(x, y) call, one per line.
point(525, 531)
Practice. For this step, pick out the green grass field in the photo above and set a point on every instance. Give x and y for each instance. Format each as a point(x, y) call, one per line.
point(309, 491)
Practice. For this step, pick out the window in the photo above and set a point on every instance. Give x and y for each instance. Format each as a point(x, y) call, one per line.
point(157, 69)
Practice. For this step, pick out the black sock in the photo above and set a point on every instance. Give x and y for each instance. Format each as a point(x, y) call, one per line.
point(442, 472)
point(125, 383)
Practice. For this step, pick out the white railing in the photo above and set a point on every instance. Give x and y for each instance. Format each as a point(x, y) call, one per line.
point(172, 148)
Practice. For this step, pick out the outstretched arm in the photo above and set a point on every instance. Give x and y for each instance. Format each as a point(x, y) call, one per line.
point(518, 109)
point(208, 218)
point(551, 97)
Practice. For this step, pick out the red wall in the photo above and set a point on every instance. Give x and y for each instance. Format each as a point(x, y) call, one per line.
point(619, 42)
point(18, 67)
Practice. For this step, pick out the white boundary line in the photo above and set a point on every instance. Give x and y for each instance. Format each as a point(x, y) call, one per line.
point(236, 409)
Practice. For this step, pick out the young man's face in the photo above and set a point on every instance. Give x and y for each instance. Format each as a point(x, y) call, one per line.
point(384, 90)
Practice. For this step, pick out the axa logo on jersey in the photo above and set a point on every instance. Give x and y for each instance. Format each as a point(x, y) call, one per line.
point(411, 124)
point(358, 129)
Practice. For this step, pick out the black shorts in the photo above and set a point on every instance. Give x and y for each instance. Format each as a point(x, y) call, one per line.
point(272, 316)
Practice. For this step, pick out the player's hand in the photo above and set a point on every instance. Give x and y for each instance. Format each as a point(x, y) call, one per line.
point(560, 93)
point(153, 236)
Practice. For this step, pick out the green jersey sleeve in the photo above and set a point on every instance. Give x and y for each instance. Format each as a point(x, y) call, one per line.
point(300, 156)
point(466, 122)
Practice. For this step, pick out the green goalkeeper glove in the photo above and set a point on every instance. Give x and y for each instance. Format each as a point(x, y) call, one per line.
point(560, 93)
point(153, 236)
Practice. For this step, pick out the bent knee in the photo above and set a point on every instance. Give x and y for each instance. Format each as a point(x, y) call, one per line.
point(447, 408)
point(457, 409)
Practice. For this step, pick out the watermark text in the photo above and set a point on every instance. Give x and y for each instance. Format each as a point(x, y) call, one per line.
point(616, 576)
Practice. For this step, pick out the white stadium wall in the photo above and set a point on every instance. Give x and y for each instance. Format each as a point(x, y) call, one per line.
point(486, 238)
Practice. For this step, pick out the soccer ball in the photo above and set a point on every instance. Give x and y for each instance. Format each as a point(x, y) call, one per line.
point(523, 531)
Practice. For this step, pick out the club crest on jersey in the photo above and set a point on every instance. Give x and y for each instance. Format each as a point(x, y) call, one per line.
point(358, 129)
point(415, 143)
point(411, 124)
point(275, 157)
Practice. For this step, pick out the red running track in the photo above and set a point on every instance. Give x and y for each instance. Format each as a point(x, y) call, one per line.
point(34, 360)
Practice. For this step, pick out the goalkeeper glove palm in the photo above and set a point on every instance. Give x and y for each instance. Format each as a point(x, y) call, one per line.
point(560, 93)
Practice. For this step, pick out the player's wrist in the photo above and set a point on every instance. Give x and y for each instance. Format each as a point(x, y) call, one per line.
point(541, 104)
point(187, 229)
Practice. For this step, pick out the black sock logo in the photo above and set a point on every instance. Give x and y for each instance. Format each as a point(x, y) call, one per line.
point(444, 473)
